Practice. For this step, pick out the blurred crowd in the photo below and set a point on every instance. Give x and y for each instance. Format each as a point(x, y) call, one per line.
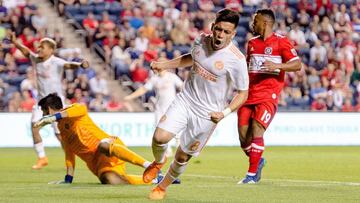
point(17, 77)
point(132, 33)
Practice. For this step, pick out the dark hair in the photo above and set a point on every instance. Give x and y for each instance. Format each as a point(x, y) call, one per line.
point(227, 15)
point(267, 12)
point(52, 100)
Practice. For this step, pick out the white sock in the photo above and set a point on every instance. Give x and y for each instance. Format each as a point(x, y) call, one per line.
point(159, 152)
point(146, 164)
point(40, 149)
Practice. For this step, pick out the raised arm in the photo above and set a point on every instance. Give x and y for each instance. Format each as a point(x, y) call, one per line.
point(75, 65)
point(179, 62)
point(24, 50)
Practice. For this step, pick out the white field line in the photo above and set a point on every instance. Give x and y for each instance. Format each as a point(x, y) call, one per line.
point(318, 182)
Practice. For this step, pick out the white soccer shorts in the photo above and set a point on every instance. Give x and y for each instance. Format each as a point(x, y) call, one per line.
point(195, 130)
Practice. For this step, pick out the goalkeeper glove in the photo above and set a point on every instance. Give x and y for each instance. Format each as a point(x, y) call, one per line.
point(47, 120)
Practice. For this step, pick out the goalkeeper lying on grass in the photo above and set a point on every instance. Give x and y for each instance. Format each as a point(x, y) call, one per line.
point(104, 155)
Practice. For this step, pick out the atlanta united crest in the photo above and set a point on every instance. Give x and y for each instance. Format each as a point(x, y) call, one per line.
point(268, 51)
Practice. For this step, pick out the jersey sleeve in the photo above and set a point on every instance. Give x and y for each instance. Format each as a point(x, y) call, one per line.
point(34, 57)
point(288, 52)
point(197, 42)
point(76, 110)
point(178, 82)
point(69, 155)
point(60, 64)
point(149, 85)
point(239, 75)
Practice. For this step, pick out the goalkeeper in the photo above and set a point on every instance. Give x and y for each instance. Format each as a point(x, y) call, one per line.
point(104, 155)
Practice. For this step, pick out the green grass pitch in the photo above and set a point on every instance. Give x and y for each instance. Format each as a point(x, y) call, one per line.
point(292, 174)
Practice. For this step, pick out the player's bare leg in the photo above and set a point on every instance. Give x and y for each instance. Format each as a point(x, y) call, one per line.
point(159, 145)
point(176, 168)
point(245, 138)
point(42, 160)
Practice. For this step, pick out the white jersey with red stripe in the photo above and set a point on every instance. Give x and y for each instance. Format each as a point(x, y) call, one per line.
point(212, 75)
point(266, 85)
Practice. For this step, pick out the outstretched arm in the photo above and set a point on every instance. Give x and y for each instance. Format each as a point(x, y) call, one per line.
point(239, 99)
point(74, 110)
point(75, 65)
point(24, 50)
point(138, 93)
point(179, 62)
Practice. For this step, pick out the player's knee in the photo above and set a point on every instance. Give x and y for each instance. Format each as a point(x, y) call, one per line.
point(104, 146)
point(161, 136)
point(110, 178)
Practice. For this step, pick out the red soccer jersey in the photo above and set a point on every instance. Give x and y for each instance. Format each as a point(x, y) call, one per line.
point(266, 85)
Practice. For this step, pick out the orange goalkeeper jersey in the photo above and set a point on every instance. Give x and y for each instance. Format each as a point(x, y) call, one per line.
point(80, 136)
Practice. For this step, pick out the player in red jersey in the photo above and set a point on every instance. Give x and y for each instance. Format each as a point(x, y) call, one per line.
point(269, 56)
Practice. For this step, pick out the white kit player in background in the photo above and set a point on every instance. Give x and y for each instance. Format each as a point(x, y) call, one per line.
point(217, 66)
point(165, 84)
point(49, 71)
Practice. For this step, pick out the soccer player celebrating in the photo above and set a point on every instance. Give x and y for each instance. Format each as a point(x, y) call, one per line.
point(269, 56)
point(217, 65)
point(49, 70)
point(104, 155)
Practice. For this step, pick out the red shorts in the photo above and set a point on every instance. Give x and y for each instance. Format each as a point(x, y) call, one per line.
point(263, 113)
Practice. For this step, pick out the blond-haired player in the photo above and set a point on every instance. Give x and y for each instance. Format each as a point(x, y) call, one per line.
point(48, 70)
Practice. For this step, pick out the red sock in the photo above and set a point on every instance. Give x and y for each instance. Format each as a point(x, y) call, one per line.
point(257, 148)
point(246, 148)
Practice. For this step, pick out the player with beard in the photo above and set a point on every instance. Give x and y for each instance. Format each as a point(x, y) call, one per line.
point(269, 56)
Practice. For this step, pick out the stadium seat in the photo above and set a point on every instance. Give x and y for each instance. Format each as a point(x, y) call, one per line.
point(244, 22)
point(85, 9)
point(79, 18)
point(293, 3)
point(99, 9)
point(241, 31)
point(115, 9)
point(72, 10)
point(247, 11)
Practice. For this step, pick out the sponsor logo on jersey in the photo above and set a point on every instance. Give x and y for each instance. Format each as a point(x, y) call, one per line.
point(268, 50)
point(194, 146)
point(163, 118)
point(204, 73)
point(219, 65)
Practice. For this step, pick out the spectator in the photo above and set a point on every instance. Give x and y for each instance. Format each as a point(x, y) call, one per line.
point(115, 105)
point(38, 21)
point(318, 105)
point(347, 107)
point(98, 103)
point(27, 101)
point(98, 84)
point(141, 42)
point(139, 74)
point(121, 59)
